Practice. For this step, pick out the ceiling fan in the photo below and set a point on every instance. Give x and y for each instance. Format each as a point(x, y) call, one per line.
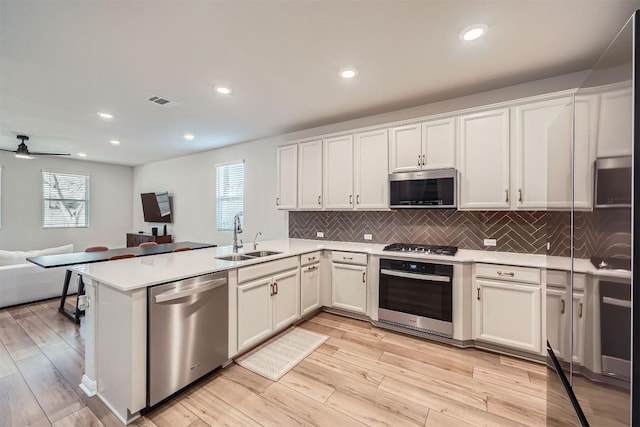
point(23, 152)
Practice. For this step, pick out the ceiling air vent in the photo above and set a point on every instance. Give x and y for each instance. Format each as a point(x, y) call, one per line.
point(163, 102)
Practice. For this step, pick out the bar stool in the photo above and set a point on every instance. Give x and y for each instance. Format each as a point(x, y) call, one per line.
point(143, 244)
point(181, 249)
point(75, 316)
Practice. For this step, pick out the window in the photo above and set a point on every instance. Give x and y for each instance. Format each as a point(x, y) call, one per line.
point(229, 195)
point(65, 200)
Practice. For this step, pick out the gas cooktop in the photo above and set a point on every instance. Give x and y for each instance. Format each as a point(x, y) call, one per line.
point(602, 263)
point(422, 249)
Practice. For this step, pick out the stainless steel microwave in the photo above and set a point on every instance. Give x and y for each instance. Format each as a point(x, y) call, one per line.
point(423, 189)
point(613, 182)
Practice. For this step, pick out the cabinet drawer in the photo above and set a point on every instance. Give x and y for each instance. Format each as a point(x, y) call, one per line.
point(349, 258)
point(560, 279)
point(266, 269)
point(506, 272)
point(310, 258)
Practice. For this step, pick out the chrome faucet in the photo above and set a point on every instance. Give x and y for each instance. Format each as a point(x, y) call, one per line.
point(237, 229)
point(255, 240)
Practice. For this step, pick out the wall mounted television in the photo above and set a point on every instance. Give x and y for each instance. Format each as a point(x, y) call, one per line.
point(156, 207)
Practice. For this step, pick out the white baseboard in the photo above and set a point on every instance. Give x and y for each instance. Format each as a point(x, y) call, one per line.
point(89, 386)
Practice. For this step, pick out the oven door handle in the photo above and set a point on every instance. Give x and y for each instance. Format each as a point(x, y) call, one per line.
point(424, 277)
point(617, 302)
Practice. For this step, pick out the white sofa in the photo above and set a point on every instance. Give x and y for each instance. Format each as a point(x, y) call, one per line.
point(22, 281)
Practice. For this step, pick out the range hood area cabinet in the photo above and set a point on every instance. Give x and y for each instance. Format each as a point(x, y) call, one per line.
point(421, 146)
point(341, 173)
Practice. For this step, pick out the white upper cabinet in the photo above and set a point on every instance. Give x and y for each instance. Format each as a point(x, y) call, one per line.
point(614, 123)
point(439, 144)
point(371, 175)
point(430, 145)
point(338, 173)
point(287, 184)
point(483, 162)
point(542, 150)
point(405, 148)
point(310, 175)
point(585, 128)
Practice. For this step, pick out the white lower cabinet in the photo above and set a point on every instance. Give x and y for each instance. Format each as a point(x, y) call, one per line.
point(266, 305)
point(349, 287)
point(508, 312)
point(309, 288)
point(565, 320)
point(556, 330)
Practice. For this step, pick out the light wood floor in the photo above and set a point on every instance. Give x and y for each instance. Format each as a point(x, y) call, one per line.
point(362, 375)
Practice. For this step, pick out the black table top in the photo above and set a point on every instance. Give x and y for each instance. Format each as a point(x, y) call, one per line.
point(64, 260)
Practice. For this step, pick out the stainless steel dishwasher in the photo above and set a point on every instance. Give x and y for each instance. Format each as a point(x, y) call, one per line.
point(187, 333)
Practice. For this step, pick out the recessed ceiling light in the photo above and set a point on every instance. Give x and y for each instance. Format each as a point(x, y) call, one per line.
point(114, 141)
point(348, 73)
point(188, 136)
point(223, 90)
point(105, 115)
point(473, 32)
point(82, 154)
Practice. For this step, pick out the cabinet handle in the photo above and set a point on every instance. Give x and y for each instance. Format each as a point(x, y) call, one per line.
point(277, 201)
point(419, 160)
point(562, 305)
point(580, 314)
point(311, 258)
point(364, 277)
point(506, 195)
point(319, 202)
point(519, 194)
point(313, 267)
point(505, 273)
point(350, 199)
point(358, 199)
point(424, 159)
point(275, 288)
point(478, 293)
point(271, 287)
point(347, 258)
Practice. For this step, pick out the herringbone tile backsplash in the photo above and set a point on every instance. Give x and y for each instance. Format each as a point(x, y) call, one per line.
point(597, 233)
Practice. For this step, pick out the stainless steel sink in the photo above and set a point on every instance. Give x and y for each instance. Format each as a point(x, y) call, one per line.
point(234, 257)
point(258, 254)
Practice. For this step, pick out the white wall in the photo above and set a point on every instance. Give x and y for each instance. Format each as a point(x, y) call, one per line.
point(191, 179)
point(21, 204)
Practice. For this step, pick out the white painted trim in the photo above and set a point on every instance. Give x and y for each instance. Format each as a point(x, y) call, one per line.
point(89, 386)
point(122, 419)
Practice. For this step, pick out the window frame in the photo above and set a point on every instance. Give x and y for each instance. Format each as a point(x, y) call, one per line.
point(217, 198)
point(87, 199)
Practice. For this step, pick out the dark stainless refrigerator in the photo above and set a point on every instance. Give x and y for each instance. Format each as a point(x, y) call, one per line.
point(592, 304)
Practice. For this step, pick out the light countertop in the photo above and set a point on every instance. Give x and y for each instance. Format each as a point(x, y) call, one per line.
point(134, 273)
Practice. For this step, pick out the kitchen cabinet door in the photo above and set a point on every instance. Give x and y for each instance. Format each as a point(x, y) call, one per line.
point(585, 129)
point(557, 305)
point(309, 288)
point(286, 298)
point(349, 287)
point(287, 180)
point(614, 123)
point(371, 173)
point(338, 173)
point(483, 161)
point(507, 314)
point(542, 145)
point(439, 144)
point(405, 148)
point(254, 312)
point(310, 175)
point(579, 307)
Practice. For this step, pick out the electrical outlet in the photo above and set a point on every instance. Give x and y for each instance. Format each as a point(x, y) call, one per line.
point(368, 237)
point(489, 242)
point(548, 245)
point(320, 234)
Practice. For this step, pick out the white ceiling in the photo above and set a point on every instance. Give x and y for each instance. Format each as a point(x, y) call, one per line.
point(62, 61)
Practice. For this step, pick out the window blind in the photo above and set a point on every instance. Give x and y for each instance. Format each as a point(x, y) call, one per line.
point(229, 195)
point(65, 200)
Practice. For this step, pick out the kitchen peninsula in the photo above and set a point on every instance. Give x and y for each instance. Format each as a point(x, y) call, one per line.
point(116, 319)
